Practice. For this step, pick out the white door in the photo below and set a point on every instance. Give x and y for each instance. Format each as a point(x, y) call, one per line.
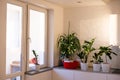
point(13, 37)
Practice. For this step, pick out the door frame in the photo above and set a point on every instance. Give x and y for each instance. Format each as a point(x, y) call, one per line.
point(23, 45)
point(36, 8)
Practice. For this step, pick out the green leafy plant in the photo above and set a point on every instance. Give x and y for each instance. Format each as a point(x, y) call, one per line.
point(86, 50)
point(68, 45)
point(107, 51)
point(97, 58)
point(35, 59)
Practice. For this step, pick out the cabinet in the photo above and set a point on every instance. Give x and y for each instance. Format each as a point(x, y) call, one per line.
point(113, 77)
point(62, 74)
point(79, 75)
point(40, 76)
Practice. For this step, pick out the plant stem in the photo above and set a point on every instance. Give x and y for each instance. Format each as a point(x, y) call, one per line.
point(105, 59)
point(68, 27)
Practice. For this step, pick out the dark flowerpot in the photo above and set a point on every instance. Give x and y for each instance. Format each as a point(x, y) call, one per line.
point(71, 64)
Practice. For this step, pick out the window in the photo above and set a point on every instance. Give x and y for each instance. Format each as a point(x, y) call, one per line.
point(13, 39)
point(15, 49)
point(37, 35)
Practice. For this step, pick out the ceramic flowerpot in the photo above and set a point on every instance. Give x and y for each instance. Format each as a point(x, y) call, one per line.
point(105, 67)
point(84, 66)
point(37, 67)
point(96, 67)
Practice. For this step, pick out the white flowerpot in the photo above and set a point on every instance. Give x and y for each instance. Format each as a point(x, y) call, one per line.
point(37, 67)
point(105, 67)
point(84, 66)
point(96, 67)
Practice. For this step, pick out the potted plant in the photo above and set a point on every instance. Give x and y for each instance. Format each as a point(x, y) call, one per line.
point(106, 51)
point(96, 61)
point(35, 60)
point(68, 45)
point(86, 49)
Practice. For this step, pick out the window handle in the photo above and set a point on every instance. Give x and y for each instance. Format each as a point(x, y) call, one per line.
point(29, 39)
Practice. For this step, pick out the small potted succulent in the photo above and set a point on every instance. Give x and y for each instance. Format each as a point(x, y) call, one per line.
point(86, 49)
point(96, 61)
point(35, 60)
point(107, 52)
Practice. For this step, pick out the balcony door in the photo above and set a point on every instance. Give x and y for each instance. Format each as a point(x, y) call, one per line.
point(15, 39)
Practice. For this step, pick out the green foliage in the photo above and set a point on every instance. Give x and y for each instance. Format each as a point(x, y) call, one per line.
point(86, 50)
point(97, 58)
point(107, 51)
point(68, 45)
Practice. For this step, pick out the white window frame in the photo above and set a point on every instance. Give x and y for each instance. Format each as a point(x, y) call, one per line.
point(37, 8)
point(23, 45)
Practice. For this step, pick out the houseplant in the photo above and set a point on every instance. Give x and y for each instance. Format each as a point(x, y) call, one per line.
point(35, 60)
point(68, 45)
point(96, 60)
point(107, 52)
point(86, 49)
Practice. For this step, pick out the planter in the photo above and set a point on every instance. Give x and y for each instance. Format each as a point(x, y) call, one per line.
point(70, 64)
point(84, 66)
point(37, 67)
point(105, 67)
point(96, 67)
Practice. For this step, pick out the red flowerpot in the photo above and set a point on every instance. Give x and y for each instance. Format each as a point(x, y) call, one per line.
point(71, 65)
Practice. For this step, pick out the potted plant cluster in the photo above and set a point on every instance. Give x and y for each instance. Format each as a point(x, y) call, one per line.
point(69, 46)
point(86, 49)
point(107, 52)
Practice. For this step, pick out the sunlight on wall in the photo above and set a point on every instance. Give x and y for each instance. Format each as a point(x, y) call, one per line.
point(113, 29)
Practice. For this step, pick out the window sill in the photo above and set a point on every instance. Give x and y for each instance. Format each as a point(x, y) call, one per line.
point(90, 69)
point(33, 72)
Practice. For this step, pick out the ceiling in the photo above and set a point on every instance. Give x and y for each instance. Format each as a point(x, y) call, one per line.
point(78, 3)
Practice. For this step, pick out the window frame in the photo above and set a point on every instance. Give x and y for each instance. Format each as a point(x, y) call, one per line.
point(23, 39)
point(39, 9)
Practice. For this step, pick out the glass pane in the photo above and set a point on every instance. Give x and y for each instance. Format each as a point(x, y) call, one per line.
point(15, 78)
point(13, 38)
point(37, 36)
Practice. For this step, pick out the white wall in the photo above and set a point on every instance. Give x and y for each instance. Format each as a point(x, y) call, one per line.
point(94, 22)
point(89, 22)
point(114, 6)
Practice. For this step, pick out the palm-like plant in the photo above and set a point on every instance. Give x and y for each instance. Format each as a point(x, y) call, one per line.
point(87, 48)
point(107, 51)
